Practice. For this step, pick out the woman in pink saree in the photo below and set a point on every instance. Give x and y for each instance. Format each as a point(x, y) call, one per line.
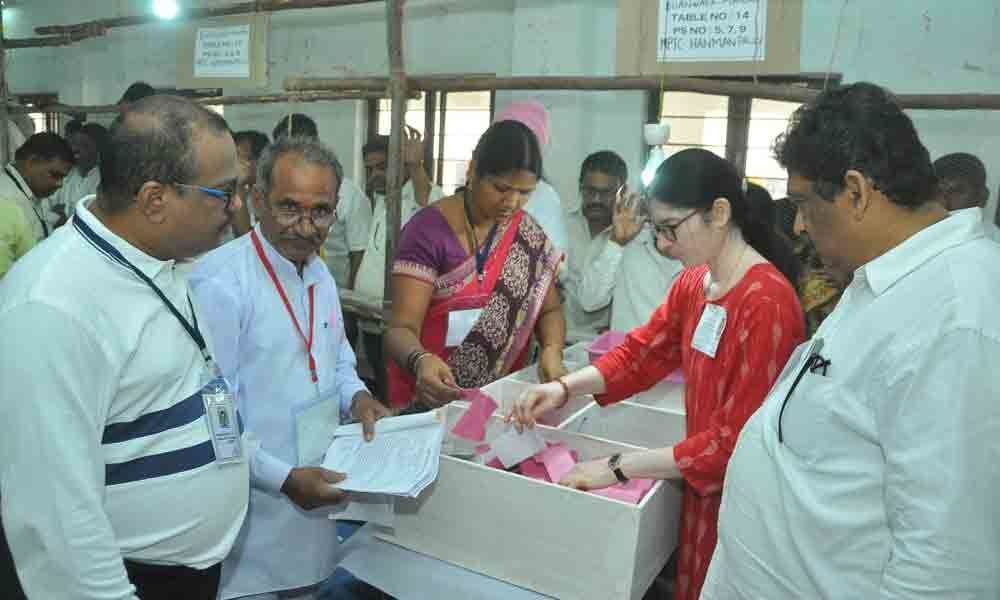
point(473, 279)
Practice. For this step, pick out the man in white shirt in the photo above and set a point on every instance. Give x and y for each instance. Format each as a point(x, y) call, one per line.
point(113, 474)
point(962, 182)
point(616, 275)
point(82, 181)
point(38, 170)
point(272, 307)
point(345, 245)
point(870, 471)
point(418, 191)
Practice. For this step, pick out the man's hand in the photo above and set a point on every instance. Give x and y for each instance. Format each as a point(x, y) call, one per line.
point(413, 148)
point(626, 222)
point(366, 409)
point(312, 487)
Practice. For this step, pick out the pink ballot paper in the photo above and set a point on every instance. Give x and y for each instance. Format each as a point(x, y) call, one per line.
point(676, 377)
point(631, 491)
point(557, 460)
point(472, 424)
point(604, 342)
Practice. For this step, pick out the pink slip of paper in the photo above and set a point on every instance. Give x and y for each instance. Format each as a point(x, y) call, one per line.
point(631, 492)
point(532, 468)
point(604, 342)
point(676, 377)
point(472, 424)
point(558, 460)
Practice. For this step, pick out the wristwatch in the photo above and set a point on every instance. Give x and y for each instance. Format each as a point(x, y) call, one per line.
point(614, 463)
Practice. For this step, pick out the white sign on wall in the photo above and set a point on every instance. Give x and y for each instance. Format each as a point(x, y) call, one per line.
point(222, 52)
point(711, 30)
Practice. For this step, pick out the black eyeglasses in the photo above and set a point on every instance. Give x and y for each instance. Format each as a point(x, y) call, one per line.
point(668, 231)
point(815, 363)
point(224, 195)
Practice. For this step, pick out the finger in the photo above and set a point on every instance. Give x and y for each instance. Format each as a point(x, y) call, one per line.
point(332, 476)
point(368, 424)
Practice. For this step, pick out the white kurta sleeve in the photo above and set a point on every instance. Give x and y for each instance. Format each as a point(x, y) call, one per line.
point(56, 386)
point(940, 432)
point(597, 281)
point(221, 314)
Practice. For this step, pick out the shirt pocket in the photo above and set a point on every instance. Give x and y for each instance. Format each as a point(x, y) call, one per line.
point(807, 428)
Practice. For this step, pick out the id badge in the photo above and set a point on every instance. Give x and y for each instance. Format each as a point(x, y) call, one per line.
point(709, 331)
point(223, 422)
point(460, 323)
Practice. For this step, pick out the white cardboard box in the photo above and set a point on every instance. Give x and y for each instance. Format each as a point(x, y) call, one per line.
point(631, 423)
point(554, 540)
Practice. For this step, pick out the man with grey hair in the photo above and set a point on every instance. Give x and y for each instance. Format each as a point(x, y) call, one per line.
point(114, 473)
point(272, 309)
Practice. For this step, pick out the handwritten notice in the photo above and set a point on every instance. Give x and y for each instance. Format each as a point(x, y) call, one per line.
point(711, 30)
point(222, 52)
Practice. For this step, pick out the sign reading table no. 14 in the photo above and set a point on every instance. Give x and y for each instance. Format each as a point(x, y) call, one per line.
point(711, 30)
point(222, 52)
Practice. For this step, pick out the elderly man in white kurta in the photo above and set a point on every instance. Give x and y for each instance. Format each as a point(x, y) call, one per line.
point(272, 309)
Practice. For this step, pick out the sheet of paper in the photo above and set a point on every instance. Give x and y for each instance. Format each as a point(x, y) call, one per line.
point(472, 424)
point(513, 447)
point(534, 469)
point(557, 461)
point(676, 377)
point(631, 491)
point(402, 460)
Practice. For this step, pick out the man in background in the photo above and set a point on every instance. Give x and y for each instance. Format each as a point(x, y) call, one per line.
point(962, 182)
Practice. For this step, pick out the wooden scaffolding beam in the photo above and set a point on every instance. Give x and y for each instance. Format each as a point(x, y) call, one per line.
point(101, 26)
point(291, 97)
point(787, 93)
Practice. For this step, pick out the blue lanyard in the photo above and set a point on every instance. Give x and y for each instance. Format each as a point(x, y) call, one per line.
point(105, 248)
point(481, 253)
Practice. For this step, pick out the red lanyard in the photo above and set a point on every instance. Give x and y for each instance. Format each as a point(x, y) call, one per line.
point(281, 292)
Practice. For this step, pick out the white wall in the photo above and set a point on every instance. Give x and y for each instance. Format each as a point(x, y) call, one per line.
point(911, 46)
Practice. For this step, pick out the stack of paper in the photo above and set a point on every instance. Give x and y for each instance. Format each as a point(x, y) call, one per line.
point(402, 460)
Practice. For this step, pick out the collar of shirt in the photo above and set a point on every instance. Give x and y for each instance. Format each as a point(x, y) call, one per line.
point(20, 181)
point(285, 269)
point(149, 265)
point(884, 271)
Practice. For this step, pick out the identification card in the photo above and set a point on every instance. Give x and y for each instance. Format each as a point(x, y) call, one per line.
point(223, 425)
point(709, 331)
point(460, 323)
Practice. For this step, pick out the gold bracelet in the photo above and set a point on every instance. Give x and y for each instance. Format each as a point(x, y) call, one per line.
point(565, 388)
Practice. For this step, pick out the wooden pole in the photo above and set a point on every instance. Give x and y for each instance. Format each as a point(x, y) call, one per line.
point(394, 173)
point(214, 100)
point(786, 93)
point(260, 6)
point(4, 119)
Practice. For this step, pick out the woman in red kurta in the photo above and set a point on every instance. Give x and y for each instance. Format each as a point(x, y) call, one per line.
point(748, 320)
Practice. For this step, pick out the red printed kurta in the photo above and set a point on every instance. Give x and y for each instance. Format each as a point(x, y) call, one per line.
point(764, 324)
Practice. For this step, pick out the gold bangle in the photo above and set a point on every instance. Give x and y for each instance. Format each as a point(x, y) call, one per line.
point(565, 388)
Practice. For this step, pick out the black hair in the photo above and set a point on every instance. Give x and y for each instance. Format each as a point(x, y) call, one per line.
point(257, 139)
point(137, 91)
point(46, 146)
point(858, 127)
point(154, 140)
point(301, 126)
point(695, 178)
point(606, 162)
point(508, 146)
point(72, 127)
point(379, 143)
point(962, 180)
point(99, 134)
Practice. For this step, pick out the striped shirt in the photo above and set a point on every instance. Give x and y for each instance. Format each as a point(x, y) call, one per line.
point(106, 452)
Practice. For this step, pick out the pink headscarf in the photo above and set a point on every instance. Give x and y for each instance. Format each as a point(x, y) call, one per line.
point(532, 114)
